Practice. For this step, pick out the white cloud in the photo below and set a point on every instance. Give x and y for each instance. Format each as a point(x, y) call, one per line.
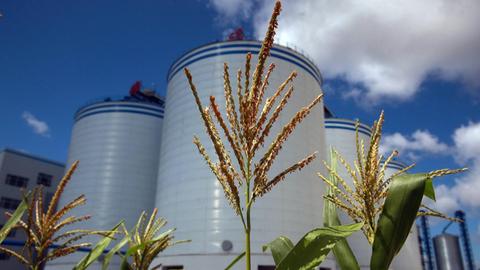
point(467, 152)
point(467, 186)
point(467, 141)
point(230, 10)
point(38, 126)
point(419, 143)
point(446, 202)
point(389, 47)
point(464, 193)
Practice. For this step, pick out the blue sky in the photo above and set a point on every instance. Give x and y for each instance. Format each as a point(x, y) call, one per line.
point(57, 55)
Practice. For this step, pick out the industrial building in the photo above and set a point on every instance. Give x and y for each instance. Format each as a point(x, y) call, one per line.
point(136, 153)
point(20, 172)
point(446, 246)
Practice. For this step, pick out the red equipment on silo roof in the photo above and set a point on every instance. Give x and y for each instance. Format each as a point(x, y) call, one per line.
point(237, 34)
point(135, 88)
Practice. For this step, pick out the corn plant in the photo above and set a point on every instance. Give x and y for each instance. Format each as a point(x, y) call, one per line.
point(99, 249)
point(142, 245)
point(145, 242)
point(43, 227)
point(312, 249)
point(14, 218)
point(247, 130)
point(341, 250)
point(387, 207)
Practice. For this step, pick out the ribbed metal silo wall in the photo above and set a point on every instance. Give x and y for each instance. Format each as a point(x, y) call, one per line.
point(117, 144)
point(188, 194)
point(340, 134)
point(409, 256)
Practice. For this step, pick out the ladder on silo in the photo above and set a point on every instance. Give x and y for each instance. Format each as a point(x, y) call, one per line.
point(428, 262)
point(467, 247)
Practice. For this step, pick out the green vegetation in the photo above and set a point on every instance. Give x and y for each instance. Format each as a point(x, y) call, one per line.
point(48, 239)
point(384, 209)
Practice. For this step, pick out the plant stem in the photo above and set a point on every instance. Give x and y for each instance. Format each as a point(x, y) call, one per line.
point(247, 240)
point(247, 230)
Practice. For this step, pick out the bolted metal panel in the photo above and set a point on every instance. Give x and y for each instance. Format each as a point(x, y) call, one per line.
point(447, 252)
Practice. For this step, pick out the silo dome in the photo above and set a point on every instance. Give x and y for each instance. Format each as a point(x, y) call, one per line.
point(188, 194)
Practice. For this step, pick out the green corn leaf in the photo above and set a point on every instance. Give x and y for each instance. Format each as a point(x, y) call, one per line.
point(429, 190)
point(14, 219)
point(343, 253)
point(280, 247)
point(238, 258)
point(125, 265)
point(115, 249)
point(396, 220)
point(98, 250)
point(314, 247)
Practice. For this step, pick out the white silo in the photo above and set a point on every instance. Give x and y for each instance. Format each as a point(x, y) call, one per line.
point(117, 143)
point(188, 194)
point(340, 134)
point(409, 256)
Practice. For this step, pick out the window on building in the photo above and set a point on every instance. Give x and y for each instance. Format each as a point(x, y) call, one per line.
point(9, 203)
point(173, 267)
point(44, 179)
point(4, 256)
point(47, 200)
point(17, 181)
point(266, 267)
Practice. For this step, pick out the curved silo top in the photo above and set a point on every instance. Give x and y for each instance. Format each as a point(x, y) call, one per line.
point(153, 106)
point(347, 124)
point(350, 125)
point(243, 47)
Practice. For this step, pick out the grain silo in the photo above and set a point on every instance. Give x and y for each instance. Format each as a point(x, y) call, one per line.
point(340, 134)
point(410, 256)
point(117, 143)
point(447, 252)
point(188, 194)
